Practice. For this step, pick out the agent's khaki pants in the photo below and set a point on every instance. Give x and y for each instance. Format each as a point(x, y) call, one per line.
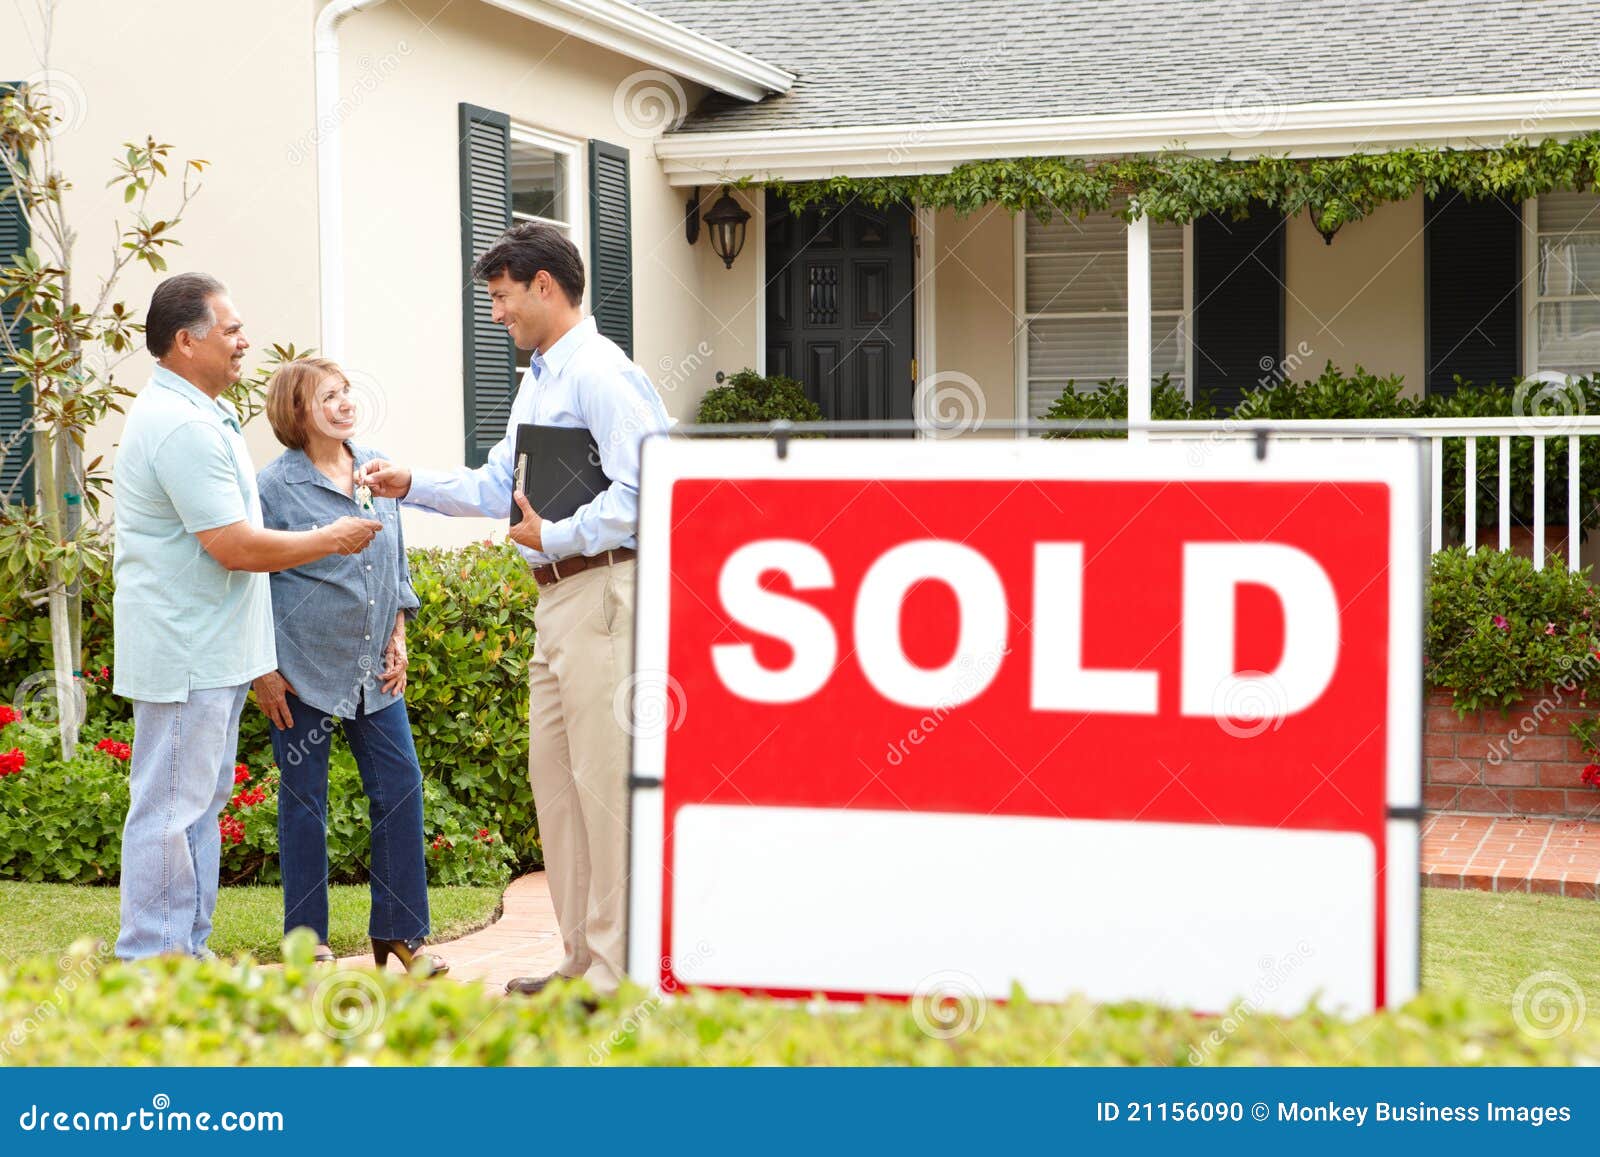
point(578, 761)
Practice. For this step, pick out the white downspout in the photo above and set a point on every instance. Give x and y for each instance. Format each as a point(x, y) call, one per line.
point(330, 186)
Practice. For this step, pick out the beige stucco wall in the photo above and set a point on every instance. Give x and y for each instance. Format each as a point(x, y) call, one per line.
point(1358, 301)
point(974, 324)
point(729, 301)
point(124, 72)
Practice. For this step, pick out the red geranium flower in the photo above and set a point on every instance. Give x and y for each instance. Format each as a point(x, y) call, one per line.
point(231, 828)
point(12, 762)
point(241, 773)
point(1591, 775)
point(115, 749)
point(8, 715)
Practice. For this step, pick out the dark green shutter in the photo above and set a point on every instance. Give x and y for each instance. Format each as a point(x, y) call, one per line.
point(16, 406)
point(1472, 253)
point(489, 369)
point(1238, 304)
point(611, 244)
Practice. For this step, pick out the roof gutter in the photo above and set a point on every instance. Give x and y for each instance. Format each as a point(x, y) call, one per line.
point(1334, 128)
point(655, 40)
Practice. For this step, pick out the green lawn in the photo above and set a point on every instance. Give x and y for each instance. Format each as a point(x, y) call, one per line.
point(1491, 942)
point(47, 918)
point(1487, 943)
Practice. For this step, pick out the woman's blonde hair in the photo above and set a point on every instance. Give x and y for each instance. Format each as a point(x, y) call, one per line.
point(289, 393)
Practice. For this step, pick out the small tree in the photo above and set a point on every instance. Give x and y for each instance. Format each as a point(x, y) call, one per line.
point(64, 347)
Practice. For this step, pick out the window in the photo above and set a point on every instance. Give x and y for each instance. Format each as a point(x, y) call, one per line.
point(1073, 281)
point(1565, 319)
point(545, 173)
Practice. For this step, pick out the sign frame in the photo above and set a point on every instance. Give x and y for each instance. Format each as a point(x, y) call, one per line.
point(1401, 463)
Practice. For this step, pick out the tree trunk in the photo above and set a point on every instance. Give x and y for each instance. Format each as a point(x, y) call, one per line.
point(63, 654)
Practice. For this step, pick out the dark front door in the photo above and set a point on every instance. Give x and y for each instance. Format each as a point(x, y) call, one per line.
point(839, 306)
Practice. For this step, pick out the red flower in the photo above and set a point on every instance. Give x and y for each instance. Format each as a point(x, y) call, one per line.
point(249, 798)
point(12, 762)
point(105, 672)
point(241, 773)
point(115, 749)
point(483, 834)
point(1591, 775)
point(8, 715)
point(231, 828)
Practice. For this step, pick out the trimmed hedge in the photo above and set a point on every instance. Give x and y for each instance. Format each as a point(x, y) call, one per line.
point(1362, 395)
point(1497, 630)
point(467, 696)
point(184, 1012)
point(749, 397)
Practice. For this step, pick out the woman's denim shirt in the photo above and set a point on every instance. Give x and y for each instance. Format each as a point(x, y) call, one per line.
point(334, 616)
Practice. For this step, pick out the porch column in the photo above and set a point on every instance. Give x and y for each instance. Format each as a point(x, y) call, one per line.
point(1138, 324)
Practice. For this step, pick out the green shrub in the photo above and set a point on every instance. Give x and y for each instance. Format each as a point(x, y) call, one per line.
point(225, 1013)
point(1108, 402)
point(1336, 396)
point(467, 690)
point(749, 397)
point(62, 822)
point(1331, 396)
point(468, 700)
point(25, 633)
point(1498, 630)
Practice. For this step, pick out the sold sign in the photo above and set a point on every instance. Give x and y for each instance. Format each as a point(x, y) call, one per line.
point(1138, 721)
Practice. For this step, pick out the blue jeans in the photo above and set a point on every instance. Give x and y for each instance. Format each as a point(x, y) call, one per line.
point(179, 779)
point(392, 780)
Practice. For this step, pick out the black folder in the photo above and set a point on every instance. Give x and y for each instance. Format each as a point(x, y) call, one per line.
point(558, 468)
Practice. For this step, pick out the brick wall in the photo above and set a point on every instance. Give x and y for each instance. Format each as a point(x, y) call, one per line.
point(1522, 762)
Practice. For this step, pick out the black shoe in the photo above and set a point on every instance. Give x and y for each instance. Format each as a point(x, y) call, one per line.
point(408, 952)
point(532, 985)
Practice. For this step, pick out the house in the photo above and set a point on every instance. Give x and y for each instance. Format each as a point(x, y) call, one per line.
point(362, 151)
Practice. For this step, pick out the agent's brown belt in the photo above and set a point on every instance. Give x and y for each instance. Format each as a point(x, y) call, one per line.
point(567, 567)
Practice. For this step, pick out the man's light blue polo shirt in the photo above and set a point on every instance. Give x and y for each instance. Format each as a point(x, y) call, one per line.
point(183, 622)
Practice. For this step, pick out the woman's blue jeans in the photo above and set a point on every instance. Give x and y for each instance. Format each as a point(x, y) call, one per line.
point(392, 779)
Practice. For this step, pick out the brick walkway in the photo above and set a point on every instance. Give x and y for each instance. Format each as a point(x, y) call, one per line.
point(1496, 854)
point(523, 942)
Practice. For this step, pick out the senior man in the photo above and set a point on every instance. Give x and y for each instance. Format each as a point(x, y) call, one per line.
point(193, 609)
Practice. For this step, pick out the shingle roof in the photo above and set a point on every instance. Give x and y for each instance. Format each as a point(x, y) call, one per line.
point(862, 62)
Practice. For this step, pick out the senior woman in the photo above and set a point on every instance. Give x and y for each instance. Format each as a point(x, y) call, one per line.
point(341, 633)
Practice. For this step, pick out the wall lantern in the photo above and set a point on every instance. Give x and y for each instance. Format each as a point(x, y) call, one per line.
point(726, 221)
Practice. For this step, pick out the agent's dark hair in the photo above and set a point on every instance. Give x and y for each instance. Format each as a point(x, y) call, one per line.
point(525, 248)
point(179, 303)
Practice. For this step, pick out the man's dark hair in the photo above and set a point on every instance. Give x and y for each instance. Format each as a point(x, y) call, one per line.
point(525, 248)
point(180, 302)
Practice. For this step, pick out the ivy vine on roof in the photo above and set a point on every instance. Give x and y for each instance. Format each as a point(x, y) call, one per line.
point(1175, 187)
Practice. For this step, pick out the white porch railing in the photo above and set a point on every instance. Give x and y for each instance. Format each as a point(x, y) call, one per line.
point(1552, 434)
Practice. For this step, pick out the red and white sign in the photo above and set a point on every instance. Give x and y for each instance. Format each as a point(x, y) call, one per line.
point(1137, 721)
